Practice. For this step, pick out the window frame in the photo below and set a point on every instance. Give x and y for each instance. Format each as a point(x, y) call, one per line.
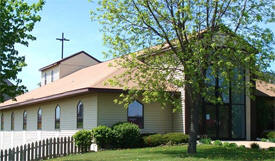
point(2, 121)
point(52, 76)
point(142, 118)
point(25, 117)
point(39, 119)
point(55, 118)
point(45, 78)
point(12, 121)
point(77, 116)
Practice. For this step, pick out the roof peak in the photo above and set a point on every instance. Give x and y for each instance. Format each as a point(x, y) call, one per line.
point(66, 58)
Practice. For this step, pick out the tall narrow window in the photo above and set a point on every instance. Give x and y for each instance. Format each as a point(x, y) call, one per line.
point(39, 119)
point(2, 121)
point(45, 78)
point(52, 76)
point(12, 121)
point(80, 115)
point(135, 114)
point(57, 117)
point(24, 120)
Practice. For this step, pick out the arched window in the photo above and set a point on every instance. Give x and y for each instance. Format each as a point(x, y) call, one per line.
point(79, 123)
point(2, 121)
point(39, 119)
point(12, 121)
point(25, 120)
point(135, 114)
point(57, 117)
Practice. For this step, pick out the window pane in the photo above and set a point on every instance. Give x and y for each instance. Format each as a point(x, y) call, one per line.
point(211, 120)
point(238, 86)
point(2, 122)
point(12, 121)
point(135, 113)
point(238, 121)
point(135, 109)
point(57, 117)
point(39, 119)
point(80, 115)
point(25, 120)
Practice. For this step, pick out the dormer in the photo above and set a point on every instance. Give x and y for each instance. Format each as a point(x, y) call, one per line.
point(66, 66)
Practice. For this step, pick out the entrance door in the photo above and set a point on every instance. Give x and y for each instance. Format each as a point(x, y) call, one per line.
point(217, 121)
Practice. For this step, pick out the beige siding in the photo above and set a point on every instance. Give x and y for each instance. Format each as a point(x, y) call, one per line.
point(75, 63)
point(179, 115)
point(178, 121)
point(55, 70)
point(156, 119)
point(67, 119)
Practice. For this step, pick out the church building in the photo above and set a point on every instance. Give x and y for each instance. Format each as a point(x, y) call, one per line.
point(73, 96)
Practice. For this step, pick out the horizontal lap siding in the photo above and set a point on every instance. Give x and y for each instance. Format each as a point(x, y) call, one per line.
point(156, 119)
point(67, 121)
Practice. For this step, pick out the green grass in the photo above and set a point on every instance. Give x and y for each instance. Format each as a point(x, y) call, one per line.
point(174, 153)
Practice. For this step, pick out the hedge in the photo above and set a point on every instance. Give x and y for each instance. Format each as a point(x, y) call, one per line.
point(161, 139)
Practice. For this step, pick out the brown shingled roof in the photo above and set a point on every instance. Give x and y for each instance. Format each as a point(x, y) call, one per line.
point(265, 89)
point(84, 80)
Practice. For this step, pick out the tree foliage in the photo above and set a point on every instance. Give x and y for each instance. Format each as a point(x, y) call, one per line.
point(185, 44)
point(17, 20)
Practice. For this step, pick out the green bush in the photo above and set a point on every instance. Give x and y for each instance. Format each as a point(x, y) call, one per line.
point(254, 146)
point(118, 123)
point(233, 145)
point(217, 142)
point(127, 135)
point(154, 140)
point(103, 136)
point(226, 144)
point(83, 139)
point(264, 139)
point(161, 139)
point(205, 140)
point(271, 135)
point(271, 148)
point(271, 140)
point(175, 138)
point(242, 147)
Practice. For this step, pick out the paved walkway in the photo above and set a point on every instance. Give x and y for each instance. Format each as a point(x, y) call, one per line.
point(247, 144)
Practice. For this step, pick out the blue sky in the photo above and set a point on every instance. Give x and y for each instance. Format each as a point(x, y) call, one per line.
point(71, 17)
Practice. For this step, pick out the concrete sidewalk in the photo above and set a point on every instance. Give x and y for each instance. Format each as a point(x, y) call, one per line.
point(263, 145)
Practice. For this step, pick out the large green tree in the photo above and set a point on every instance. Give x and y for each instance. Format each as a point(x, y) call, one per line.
point(186, 43)
point(17, 20)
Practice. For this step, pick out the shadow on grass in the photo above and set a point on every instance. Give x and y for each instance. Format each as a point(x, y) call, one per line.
point(220, 153)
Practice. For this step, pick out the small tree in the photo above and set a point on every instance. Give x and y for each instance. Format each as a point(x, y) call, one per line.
point(17, 19)
point(185, 44)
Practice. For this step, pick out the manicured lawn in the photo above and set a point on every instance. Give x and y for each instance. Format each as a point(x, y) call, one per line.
point(174, 153)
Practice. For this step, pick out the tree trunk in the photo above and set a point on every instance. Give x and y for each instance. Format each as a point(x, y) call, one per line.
point(195, 103)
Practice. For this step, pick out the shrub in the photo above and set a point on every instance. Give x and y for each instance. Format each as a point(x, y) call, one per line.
point(217, 142)
point(118, 123)
point(154, 140)
point(264, 139)
point(242, 147)
point(175, 138)
point(233, 145)
point(205, 140)
point(271, 135)
point(103, 136)
point(83, 138)
point(271, 140)
point(226, 144)
point(254, 146)
point(271, 148)
point(127, 135)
